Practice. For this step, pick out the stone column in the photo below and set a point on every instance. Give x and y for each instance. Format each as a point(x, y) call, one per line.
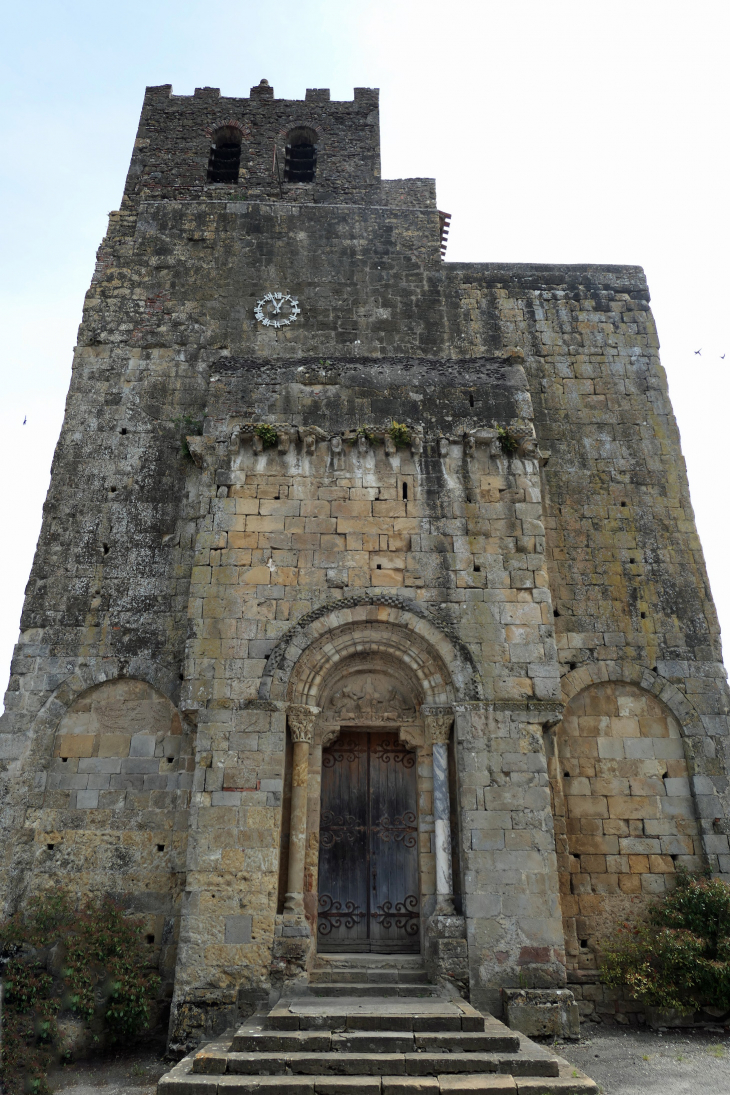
point(301, 726)
point(439, 721)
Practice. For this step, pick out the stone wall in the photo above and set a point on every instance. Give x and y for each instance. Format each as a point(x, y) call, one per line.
point(622, 798)
point(110, 810)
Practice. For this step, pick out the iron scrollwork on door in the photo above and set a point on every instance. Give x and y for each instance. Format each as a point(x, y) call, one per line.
point(335, 827)
point(349, 750)
point(401, 828)
point(388, 750)
point(402, 914)
point(331, 914)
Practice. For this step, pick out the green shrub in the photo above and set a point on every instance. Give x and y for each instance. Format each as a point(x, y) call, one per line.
point(679, 957)
point(88, 962)
point(267, 434)
point(507, 442)
point(363, 431)
point(400, 433)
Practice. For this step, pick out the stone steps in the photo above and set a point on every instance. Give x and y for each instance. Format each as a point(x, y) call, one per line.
point(345, 960)
point(307, 1045)
point(411, 976)
point(284, 1042)
point(350, 1013)
point(354, 969)
point(182, 1081)
point(373, 988)
point(344, 1063)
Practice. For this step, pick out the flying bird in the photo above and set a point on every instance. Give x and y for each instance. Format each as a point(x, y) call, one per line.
point(722, 357)
point(699, 351)
point(25, 419)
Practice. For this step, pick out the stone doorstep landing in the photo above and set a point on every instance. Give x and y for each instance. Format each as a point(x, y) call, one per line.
point(309, 1046)
point(356, 971)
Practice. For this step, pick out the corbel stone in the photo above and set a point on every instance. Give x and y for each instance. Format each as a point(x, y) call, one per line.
point(336, 450)
point(202, 451)
point(284, 436)
point(309, 436)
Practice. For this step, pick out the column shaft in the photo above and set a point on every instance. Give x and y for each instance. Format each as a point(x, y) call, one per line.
point(442, 819)
point(297, 828)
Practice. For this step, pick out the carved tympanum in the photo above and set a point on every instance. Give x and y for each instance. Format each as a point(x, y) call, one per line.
point(369, 697)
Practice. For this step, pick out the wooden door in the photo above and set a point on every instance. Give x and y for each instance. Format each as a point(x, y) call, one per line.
point(368, 846)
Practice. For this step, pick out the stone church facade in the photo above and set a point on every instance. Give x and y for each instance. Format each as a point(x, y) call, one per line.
point(368, 613)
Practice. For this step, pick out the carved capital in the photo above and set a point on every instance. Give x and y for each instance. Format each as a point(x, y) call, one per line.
point(301, 722)
point(439, 721)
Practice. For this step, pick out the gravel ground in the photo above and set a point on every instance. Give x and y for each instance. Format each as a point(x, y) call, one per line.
point(135, 1074)
point(633, 1062)
point(644, 1062)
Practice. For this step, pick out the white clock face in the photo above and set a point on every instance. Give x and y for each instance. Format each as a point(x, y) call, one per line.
point(277, 310)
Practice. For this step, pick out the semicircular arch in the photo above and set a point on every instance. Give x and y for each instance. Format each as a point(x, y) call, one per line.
point(298, 666)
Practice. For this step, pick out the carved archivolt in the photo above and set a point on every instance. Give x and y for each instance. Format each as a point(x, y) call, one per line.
point(414, 670)
point(373, 674)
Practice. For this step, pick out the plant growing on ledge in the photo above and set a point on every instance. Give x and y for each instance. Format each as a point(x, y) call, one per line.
point(189, 427)
point(507, 442)
point(680, 956)
point(362, 431)
point(400, 433)
point(88, 962)
point(267, 434)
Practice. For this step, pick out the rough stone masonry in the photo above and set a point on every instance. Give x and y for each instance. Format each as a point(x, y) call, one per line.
point(314, 481)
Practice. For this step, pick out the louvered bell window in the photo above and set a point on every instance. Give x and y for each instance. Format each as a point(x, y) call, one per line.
point(301, 162)
point(225, 161)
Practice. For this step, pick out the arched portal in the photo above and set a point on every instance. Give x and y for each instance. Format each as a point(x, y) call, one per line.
point(369, 892)
point(377, 696)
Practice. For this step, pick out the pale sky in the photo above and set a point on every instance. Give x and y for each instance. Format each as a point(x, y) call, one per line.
point(557, 131)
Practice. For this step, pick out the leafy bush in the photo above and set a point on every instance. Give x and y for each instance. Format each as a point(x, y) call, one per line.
point(363, 431)
point(400, 433)
point(507, 442)
point(89, 963)
point(680, 956)
point(267, 434)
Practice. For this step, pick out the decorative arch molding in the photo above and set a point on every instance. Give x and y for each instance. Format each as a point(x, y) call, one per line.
point(228, 123)
point(302, 123)
point(100, 672)
point(386, 626)
point(631, 673)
